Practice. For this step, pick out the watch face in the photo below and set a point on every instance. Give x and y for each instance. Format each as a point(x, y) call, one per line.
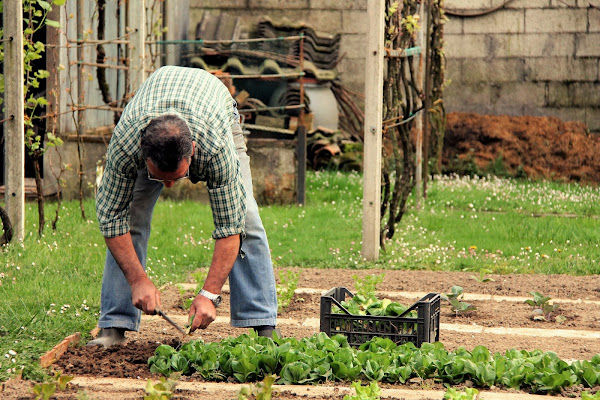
point(217, 301)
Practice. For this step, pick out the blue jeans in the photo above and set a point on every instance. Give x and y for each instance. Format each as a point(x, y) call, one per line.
point(253, 295)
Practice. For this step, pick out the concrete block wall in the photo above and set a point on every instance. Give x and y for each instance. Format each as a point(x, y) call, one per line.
point(327, 16)
point(532, 57)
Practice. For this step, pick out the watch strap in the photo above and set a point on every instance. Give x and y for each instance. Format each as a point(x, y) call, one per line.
point(215, 298)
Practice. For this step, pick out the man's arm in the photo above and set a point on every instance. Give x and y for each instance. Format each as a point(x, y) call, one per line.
point(224, 256)
point(144, 294)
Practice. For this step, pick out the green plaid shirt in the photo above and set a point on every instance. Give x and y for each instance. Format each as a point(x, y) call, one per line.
point(209, 110)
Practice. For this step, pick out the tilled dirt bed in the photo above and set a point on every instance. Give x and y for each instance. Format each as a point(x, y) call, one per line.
point(502, 321)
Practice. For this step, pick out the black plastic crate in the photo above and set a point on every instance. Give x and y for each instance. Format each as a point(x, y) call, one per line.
point(362, 328)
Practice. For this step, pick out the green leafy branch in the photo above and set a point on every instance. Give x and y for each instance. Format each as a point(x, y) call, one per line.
point(543, 309)
point(454, 298)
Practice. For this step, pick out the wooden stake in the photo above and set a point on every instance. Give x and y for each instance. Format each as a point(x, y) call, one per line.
point(136, 21)
point(373, 135)
point(14, 127)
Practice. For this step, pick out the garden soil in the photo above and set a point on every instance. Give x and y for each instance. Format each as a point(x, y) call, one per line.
point(130, 360)
point(536, 147)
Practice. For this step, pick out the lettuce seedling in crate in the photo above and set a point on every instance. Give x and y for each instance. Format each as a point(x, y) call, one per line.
point(454, 298)
point(288, 282)
point(543, 310)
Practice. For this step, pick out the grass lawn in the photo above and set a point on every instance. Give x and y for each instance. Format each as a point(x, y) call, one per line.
point(50, 286)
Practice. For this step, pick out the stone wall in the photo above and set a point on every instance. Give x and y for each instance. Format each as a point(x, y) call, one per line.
point(533, 57)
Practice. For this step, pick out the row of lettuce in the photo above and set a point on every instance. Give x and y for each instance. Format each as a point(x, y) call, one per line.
point(320, 359)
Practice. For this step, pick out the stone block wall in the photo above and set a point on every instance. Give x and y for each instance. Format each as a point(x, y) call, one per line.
point(532, 57)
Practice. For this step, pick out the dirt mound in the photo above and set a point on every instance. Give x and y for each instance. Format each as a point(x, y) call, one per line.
point(534, 147)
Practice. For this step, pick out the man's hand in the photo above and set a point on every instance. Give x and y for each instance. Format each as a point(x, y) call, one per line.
point(145, 296)
point(204, 311)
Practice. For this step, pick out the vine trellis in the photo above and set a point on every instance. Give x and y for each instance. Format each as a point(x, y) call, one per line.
point(403, 99)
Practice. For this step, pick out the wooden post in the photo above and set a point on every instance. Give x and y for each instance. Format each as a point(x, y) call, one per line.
point(301, 135)
point(373, 135)
point(136, 22)
point(423, 39)
point(301, 155)
point(14, 128)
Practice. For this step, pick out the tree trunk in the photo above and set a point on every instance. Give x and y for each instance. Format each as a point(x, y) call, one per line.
point(6, 227)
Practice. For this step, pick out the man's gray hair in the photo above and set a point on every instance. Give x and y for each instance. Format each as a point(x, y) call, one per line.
point(166, 141)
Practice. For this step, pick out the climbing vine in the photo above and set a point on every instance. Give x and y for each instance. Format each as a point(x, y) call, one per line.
point(35, 18)
point(403, 100)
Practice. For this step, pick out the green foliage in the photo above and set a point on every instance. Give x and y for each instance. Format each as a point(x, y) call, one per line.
point(260, 391)
point(367, 286)
point(543, 309)
point(45, 390)
point(161, 390)
point(199, 277)
point(483, 278)
point(369, 392)
point(35, 18)
point(466, 394)
point(589, 396)
point(319, 359)
point(454, 298)
point(288, 282)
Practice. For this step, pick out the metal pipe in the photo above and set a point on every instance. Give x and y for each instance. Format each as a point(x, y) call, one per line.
point(229, 41)
point(121, 67)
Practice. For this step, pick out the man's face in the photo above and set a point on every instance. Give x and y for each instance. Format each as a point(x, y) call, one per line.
point(169, 178)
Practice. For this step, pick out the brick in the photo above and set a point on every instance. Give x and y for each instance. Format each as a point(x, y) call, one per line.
point(338, 4)
point(467, 4)
point(501, 21)
point(454, 25)
point(277, 4)
point(524, 4)
point(456, 105)
point(586, 94)
point(466, 46)
point(555, 20)
point(558, 94)
point(563, 3)
point(353, 73)
point(220, 4)
point(520, 93)
point(534, 45)
point(325, 21)
point(592, 119)
point(353, 45)
point(562, 69)
point(496, 70)
point(587, 45)
point(468, 94)
point(453, 71)
point(593, 19)
point(562, 113)
point(354, 22)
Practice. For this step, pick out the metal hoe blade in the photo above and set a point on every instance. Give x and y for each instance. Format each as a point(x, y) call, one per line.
point(169, 320)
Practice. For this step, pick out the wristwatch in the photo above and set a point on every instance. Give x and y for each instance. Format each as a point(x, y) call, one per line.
point(215, 298)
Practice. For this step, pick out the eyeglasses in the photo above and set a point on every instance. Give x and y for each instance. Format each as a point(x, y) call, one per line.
point(152, 178)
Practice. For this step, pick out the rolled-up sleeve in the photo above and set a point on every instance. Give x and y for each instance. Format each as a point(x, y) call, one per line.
point(226, 191)
point(113, 199)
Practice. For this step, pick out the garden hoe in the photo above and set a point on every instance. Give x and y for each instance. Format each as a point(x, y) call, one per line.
point(169, 320)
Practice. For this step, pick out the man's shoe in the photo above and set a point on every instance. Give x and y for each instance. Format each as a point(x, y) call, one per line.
point(108, 337)
point(267, 331)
